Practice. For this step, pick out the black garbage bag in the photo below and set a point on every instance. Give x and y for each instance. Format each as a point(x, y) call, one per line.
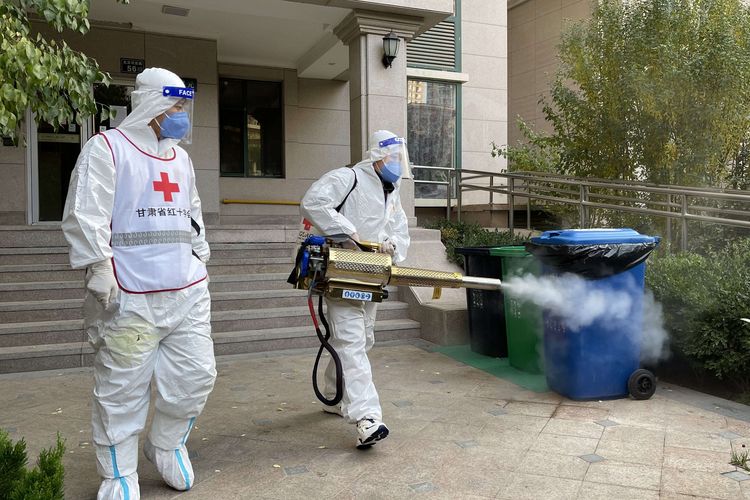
point(592, 261)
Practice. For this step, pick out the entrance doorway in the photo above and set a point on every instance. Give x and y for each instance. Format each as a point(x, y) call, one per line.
point(56, 154)
point(54, 151)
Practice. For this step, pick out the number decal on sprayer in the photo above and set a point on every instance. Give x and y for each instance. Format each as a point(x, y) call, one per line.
point(356, 295)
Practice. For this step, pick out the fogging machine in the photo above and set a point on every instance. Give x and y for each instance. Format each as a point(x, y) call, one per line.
point(324, 268)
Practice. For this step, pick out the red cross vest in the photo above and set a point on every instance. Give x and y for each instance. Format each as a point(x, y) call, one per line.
point(151, 221)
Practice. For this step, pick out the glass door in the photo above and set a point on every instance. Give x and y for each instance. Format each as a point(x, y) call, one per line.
point(53, 152)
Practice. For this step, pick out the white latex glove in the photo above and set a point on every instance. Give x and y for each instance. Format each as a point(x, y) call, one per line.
point(101, 282)
point(349, 244)
point(387, 246)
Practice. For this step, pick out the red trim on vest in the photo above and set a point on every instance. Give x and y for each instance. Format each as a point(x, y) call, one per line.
point(111, 151)
point(114, 271)
point(174, 153)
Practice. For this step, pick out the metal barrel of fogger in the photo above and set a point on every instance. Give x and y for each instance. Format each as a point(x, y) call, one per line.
point(377, 268)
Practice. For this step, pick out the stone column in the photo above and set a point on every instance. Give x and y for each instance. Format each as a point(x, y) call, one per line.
point(377, 95)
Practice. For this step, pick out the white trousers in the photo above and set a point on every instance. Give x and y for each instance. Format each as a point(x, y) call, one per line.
point(162, 336)
point(352, 336)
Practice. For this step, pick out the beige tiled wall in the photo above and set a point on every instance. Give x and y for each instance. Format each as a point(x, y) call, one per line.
point(484, 58)
point(534, 34)
point(316, 139)
point(188, 57)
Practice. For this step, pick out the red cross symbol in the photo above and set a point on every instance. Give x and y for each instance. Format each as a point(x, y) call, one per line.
point(307, 224)
point(166, 187)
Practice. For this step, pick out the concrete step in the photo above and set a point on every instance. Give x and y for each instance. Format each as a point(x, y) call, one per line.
point(274, 339)
point(62, 309)
point(72, 308)
point(53, 290)
point(225, 321)
point(63, 272)
point(41, 290)
point(56, 331)
point(251, 265)
point(250, 250)
point(59, 255)
point(46, 235)
point(38, 255)
point(39, 272)
point(79, 353)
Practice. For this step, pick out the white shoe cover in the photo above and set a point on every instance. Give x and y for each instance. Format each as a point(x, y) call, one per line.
point(333, 410)
point(120, 488)
point(370, 431)
point(173, 465)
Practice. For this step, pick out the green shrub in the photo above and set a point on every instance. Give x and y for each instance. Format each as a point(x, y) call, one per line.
point(43, 482)
point(704, 298)
point(461, 234)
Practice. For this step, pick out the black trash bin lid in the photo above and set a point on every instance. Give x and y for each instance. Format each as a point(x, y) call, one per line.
point(592, 253)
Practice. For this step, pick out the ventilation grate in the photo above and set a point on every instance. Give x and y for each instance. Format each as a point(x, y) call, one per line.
point(434, 47)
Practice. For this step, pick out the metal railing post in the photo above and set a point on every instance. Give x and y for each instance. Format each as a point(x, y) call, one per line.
point(582, 208)
point(684, 236)
point(669, 224)
point(459, 196)
point(511, 222)
point(448, 195)
point(492, 187)
point(528, 207)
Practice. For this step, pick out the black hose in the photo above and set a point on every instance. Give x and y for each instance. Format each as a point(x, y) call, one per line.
point(325, 345)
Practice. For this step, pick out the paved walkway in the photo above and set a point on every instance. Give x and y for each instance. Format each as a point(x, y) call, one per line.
point(456, 433)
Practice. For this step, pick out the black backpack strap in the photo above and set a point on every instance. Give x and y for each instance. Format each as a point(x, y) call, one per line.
point(338, 208)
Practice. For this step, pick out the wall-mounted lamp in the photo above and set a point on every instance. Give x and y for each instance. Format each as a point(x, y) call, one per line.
point(390, 48)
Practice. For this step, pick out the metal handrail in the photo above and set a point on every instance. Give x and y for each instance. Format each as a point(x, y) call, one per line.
point(584, 193)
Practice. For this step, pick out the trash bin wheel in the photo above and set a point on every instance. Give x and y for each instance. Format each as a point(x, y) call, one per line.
point(641, 384)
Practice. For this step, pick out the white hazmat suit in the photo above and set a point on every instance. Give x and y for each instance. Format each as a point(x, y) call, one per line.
point(133, 218)
point(372, 212)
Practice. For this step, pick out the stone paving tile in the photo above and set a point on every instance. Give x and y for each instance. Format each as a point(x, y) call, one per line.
point(565, 445)
point(737, 475)
point(491, 458)
point(584, 413)
point(547, 464)
point(517, 441)
point(699, 460)
point(597, 491)
point(263, 413)
point(517, 423)
point(633, 434)
point(696, 440)
point(535, 487)
point(457, 480)
point(622, 474)
point(573, 428)
point(708, 484)
point(449, 432)
point(592, 458)
point(532, 409)
point(635, 453)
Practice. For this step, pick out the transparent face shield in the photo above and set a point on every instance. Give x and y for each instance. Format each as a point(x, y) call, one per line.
point(178, 120)
point(396, 153)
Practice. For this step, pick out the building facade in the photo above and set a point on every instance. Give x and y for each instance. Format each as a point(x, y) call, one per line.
point(286, 90)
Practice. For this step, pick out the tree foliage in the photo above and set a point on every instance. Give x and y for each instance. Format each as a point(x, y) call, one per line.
point(649, 90)
point(704, 297)
point(43, 482)
point(48, 76)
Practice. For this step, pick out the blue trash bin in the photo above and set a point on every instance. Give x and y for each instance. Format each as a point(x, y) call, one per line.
point(601, 360)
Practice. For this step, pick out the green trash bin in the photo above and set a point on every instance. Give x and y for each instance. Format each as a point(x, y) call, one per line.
point(523, 320)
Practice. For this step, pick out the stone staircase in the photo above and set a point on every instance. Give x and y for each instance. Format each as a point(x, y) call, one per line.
point(253, 308)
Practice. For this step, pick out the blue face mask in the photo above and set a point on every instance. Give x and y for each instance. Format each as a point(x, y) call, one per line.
point(175, 126)
point(391, 171)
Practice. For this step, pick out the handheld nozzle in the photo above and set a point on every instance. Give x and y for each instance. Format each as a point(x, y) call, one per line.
point(370, 272)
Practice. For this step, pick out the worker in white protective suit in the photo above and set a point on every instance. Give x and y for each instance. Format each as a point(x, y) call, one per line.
point(363, 202)
point(133, 220)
